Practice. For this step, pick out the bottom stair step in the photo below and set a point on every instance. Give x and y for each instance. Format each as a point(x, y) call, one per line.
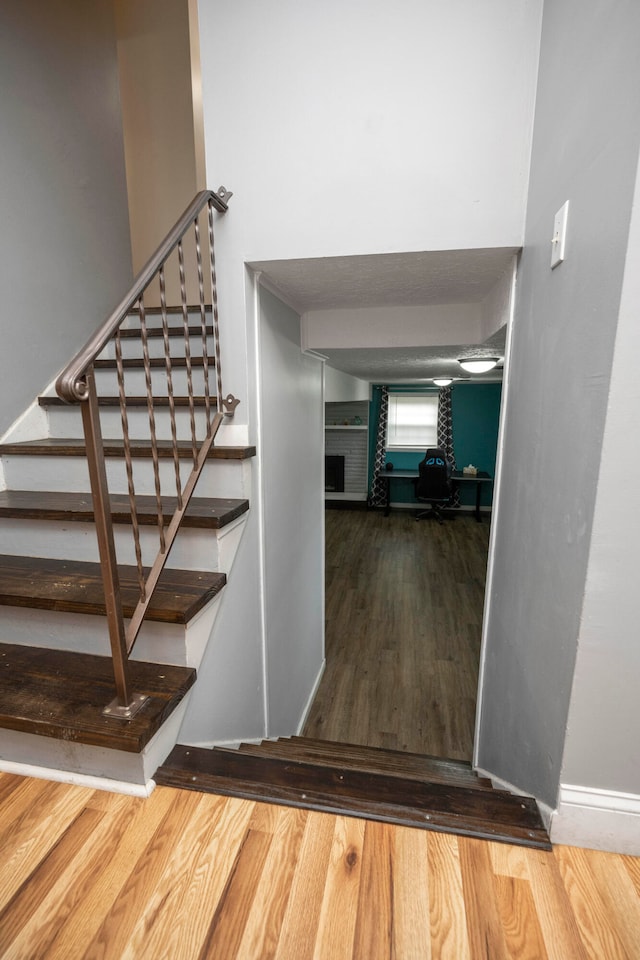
point(442, 806)
point(53, 693)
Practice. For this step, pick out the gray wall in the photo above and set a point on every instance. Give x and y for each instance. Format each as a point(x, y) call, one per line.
point(585, 149)
point(602, 748)
point(64, 237)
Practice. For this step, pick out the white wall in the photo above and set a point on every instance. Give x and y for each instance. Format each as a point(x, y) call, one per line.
point(585, 149)
point(339, 387)
point(349, 128)
point(65, 257)
point(293, 504)
point(433, 325)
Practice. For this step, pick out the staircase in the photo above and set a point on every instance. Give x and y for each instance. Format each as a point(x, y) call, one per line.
point(56, 677)
point(394, 787)
point(111, 567)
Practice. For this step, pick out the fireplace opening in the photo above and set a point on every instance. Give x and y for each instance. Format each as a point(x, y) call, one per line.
point(334, 474)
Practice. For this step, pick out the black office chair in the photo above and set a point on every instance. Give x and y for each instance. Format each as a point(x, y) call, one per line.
point(433, 485)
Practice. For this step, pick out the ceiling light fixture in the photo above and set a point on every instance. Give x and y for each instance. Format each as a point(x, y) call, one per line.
point(442, 381)
point(478, 364)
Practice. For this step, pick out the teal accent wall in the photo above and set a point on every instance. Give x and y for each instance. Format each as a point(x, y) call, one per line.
point(475, 411)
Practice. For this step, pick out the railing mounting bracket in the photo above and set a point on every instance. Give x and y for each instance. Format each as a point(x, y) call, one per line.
point(223, 194)
point(118, 712)
point(229, 404)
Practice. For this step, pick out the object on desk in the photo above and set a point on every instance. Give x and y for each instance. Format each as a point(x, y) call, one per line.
point(357, 421)
point(470, 471)
point(388, 466)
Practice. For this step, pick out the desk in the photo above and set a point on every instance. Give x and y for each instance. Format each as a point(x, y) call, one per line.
point(457, 477)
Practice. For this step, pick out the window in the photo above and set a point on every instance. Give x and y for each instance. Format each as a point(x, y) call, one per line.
point(413, 421)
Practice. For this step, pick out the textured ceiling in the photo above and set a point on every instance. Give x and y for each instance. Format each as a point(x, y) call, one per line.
point(397, 279)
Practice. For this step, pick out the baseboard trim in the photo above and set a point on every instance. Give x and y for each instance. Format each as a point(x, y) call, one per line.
point(78, 779)
point(598, 819)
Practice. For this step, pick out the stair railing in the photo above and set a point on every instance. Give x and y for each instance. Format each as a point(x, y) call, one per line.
point(173, 278)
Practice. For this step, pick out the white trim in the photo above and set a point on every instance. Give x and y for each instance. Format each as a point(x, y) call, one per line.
point(78, 779)
point(599, 819)
point(256, 278)
point(311, 698)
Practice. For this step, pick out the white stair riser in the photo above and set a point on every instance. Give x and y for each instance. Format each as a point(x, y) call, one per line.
point(192, 550)
point(67, 422)
point(219, 478)
point(132, 347)
point(136, 384)
point(157, 642)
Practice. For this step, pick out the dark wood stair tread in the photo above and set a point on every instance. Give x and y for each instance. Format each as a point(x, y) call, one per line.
point(75, 586)
point(202, 512)
point(174, 330)
point(114, 401)
point(339, 789)
point(55, 693)
point(392, 763)
point(135, 363)
point(71, 447)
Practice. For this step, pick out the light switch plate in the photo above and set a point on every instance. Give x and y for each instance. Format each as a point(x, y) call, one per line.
point(559, 239)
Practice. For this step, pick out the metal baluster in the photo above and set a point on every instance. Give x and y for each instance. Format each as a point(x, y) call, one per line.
point(129, 464)
point(214, 305)
point(187, 351)
point(169, 369)
point(126, 704)
point(203, 325)
point(152, 421)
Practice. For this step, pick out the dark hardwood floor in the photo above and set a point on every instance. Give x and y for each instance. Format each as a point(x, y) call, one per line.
point(404, 604)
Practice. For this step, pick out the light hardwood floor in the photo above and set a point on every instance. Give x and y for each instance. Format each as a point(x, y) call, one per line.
point(404, 605)
point(183, 875)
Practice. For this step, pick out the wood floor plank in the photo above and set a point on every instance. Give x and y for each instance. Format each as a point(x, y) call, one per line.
point(619, 896)
point(447, 910)
point(339, 911)
point(373, 939)
point(411, 937)
point(484, 927)
point(302, 916)
point(27, 901)
point(522, 934)
point(205, 873)
point(230, 919)
point(142, 884)
point(554, 909)
point(264, 922)
point(591, 904)
point(140, 820)
point(35, 832)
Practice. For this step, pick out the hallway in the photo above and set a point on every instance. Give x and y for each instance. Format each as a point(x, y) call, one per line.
point(404, 607)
